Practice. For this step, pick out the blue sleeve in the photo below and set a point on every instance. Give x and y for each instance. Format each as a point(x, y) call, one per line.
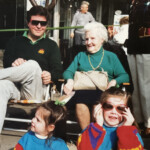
point(24, 139)
point(140, 139)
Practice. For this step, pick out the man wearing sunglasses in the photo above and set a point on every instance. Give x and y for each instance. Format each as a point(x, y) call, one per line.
point(31, 61)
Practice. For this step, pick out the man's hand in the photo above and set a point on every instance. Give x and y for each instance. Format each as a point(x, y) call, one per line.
point(18, 62)
point(46, 77)
point(72, 35)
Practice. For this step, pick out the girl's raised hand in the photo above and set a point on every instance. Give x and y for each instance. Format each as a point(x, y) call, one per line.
point(128, 117)
point(98, 114)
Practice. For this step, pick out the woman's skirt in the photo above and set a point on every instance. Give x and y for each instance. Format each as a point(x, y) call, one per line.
point(88, 97)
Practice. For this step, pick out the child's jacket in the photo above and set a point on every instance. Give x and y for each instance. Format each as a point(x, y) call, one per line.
point(30, 142)
point(95, 137)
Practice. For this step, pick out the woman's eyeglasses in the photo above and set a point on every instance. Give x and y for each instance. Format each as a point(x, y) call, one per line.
point(120, 108)
point(36, 22)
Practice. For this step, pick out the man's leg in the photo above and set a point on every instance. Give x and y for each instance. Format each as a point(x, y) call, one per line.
point(29, 76)
point(143, 67)
point(7, 91)
point(83, 115)
point(137, 109)
point(33, 88)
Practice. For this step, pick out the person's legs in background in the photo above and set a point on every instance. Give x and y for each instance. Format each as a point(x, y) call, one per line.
point(136, 102)
point(79, 43)
point(143, 67)
point(139, 65)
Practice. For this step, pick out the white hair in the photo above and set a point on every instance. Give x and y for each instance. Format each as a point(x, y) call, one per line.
point(100, 29)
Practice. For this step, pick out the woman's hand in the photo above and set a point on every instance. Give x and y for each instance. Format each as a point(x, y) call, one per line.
point(128, 117)
point(98, 114)
point(68, 87)
point(111, 83)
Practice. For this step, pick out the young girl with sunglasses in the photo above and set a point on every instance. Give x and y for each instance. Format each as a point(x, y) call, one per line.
point(113, 129)
point(40, 137)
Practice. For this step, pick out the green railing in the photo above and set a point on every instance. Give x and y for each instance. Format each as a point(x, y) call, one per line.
point(49, 28)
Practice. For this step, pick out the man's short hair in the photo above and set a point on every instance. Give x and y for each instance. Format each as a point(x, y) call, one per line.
point(37, 10)
point(85, 3)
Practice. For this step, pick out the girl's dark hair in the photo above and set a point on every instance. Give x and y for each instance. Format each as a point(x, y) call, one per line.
point(37, 10)
point(56, 113)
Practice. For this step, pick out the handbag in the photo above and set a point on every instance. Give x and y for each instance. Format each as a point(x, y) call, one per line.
point(91, 80)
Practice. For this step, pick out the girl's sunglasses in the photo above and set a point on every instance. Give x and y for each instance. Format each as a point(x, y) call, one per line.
point(36, 22)
point(120, 108)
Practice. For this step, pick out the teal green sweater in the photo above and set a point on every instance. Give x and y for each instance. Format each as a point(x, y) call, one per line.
point(45, 51)
point(110, 63)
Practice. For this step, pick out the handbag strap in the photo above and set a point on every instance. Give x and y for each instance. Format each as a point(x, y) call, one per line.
point(95, 83)
point(90, 78)
point(99, 62)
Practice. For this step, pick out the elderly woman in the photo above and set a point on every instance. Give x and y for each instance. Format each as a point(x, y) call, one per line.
point(95, 35)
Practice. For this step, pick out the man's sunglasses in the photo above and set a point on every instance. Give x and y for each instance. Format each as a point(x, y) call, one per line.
point(36, 22)
point(120, 108)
